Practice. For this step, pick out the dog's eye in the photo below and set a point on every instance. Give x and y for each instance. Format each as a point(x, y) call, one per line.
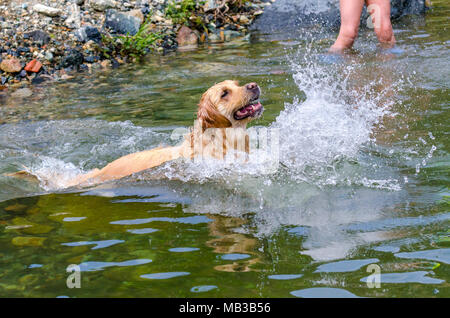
point(224, 93)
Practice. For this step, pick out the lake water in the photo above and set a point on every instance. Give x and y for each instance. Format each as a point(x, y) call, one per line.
point(362, 179)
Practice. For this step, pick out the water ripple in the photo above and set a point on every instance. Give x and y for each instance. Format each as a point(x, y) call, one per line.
point(98, 266)
point(408, 277)
point(323, 292)
point(345, 266)
point(183, 249)
point(198, 219)
point(166, 275)
point(439, 255)
point(99, 244)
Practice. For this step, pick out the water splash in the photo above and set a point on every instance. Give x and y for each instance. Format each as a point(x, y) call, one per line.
point(325, 137)
point(56, 151)
point(333, 170)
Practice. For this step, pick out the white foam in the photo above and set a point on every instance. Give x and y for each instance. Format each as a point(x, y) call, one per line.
point(322, 138)
point(53, 174)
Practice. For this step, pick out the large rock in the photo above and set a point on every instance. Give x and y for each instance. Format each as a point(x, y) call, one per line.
point(287, 16)
point(122, 22)
point(88, 33)
point(11, 65)
point(102, 5)
point(404, 7)
point(38, 36)
point(186, 37)
point(73, 20)
point(73, 59)
point(46, 10)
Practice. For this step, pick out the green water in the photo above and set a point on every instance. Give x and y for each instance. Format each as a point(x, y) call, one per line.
point(363, 176)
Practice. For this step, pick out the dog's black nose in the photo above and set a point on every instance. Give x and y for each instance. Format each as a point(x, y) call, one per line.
point(254, 90)
point(252, 86)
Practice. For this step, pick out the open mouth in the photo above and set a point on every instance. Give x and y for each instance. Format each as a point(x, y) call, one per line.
point(254, 109)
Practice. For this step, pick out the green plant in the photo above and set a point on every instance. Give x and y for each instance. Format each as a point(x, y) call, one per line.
point(131, 45)
point(180, 12)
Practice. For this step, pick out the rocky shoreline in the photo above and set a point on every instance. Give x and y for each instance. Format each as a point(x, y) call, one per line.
point(44, 40)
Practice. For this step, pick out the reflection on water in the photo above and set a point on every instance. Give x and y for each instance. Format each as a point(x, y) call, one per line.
point(363, 177)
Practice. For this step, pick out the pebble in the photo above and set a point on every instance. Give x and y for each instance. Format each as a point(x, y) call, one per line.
point(73, 21)
point(244, 20)
point(230, 34)
point(89, 59)
point(73, 59)
point(38, 36)
point(49, 56)
point(186, 37)
point(211, 5)
point(68, 35)
point(33, 66)
point(28, 241)
point(122, 22)
point(38, 80)
point(214, 38)
point(88, 33)
point(157, 18)
point(137, 14)
point(49, 11)
point(22, 93)
point(102, 5)
point(11, 65)
point(105, 63)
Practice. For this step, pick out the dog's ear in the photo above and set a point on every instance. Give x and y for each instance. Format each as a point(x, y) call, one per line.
point(209, 116)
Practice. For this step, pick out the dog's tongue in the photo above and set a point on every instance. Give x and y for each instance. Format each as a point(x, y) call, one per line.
point(256, 106)
point(247, 109)
point(243, 111)
point(240, 113)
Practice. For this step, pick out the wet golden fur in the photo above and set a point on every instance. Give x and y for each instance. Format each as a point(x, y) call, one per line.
point(215, 110)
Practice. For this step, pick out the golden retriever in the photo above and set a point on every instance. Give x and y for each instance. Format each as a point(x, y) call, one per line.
point(223, 106)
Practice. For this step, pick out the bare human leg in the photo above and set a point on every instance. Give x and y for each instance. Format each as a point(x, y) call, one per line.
point(350, 17)
point(380, 11)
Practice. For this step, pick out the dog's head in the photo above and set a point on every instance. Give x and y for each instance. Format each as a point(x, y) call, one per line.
point(227, 104)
